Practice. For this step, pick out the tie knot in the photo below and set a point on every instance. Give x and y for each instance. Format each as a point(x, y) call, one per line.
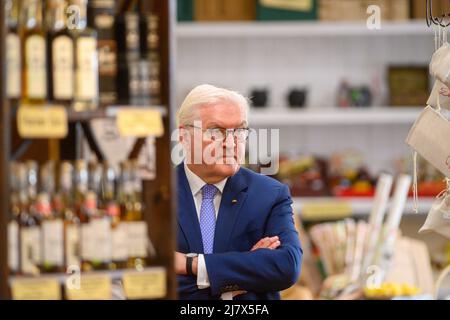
point(209, 191)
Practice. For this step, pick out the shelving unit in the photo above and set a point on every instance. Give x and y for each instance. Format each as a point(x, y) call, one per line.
point(159, 210)
point(335, 116)
point(351, 207)
point(252, 29)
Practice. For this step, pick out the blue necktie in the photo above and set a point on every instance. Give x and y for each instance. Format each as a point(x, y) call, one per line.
point(208, 217)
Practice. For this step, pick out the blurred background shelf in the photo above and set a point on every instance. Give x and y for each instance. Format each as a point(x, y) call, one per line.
point(109, 112)
point(333, 116)
point(357, 206)
point(113, 274)
point(297, 29)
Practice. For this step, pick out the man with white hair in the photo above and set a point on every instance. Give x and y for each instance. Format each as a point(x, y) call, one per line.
point(236, 233)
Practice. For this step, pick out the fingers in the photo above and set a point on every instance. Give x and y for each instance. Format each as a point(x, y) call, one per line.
point(267, 242)
point(274, 245)
point(237, 293)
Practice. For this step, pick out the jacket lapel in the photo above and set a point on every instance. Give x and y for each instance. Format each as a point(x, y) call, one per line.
point(233, 197)
point(187, 214)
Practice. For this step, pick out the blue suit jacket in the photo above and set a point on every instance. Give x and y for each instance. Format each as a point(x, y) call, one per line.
point(262, 208)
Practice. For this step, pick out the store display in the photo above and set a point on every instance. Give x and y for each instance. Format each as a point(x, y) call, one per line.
point(408, 85)
point(97, 225)
point(66, 215)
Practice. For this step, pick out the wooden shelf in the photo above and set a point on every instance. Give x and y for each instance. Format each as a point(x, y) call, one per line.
point(253, 29)
point(333, 116)
point(104, 112)
point(61, 277)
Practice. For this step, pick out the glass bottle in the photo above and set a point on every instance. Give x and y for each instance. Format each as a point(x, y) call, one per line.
point(86, 60)
point(13, 51)
point(60, 54)
point(34, 56)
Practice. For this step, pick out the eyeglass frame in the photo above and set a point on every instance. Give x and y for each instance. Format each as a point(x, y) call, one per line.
point(222, 130)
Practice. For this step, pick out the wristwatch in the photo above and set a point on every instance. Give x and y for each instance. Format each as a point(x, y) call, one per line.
point(189, 258)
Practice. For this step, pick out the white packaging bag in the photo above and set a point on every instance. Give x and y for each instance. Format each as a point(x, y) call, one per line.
point(440, 96)
point(430, 137)
point(440, 64)
point(438, 219)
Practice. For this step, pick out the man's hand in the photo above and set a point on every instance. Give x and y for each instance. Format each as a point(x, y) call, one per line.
point(267, 243)
point(180, 264)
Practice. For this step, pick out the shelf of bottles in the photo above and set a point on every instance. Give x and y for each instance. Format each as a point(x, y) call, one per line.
point(77, 216)
point(81, 54)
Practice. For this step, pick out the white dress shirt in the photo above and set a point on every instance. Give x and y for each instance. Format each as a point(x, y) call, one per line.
point(196, 184)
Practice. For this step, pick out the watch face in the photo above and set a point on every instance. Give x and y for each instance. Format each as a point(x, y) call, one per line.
point(191, 255)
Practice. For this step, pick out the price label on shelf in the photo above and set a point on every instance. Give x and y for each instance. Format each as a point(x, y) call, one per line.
point(148, 284)
point(36, 289)
point(42, 121)
point(135, 122)
point(90, 287)
point(326, 210)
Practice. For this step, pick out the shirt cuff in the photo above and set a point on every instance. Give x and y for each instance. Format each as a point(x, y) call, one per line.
point(202, 274)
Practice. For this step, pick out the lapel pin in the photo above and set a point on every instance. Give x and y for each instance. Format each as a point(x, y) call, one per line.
point(234, 201)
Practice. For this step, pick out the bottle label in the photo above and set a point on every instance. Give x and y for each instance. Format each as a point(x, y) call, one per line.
point(137, 238)
point(87, 69)
point(72, 246)
point(101, 231)
point(13, 65)
point(87, 242)
point(36, 67)
point(63, 66)
point(30, 250)
point(53, 242)
point(13, 246)
point(119, 243)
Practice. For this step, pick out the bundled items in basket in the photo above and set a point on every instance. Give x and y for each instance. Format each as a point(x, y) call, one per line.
point(85, 217)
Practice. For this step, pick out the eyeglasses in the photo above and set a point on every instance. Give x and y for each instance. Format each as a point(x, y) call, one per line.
point(219, 134)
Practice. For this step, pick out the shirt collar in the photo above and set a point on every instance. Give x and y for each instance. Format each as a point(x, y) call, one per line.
point(196, 183)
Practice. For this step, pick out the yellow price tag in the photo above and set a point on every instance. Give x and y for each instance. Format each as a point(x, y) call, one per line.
point(149, 284)
point(90, 287)
point(36, 289)
point(42, 121)
point(326, 210)
point(298, 5)
point(135, 122)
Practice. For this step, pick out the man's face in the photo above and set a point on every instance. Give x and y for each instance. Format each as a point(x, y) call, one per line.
point(219, 159)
